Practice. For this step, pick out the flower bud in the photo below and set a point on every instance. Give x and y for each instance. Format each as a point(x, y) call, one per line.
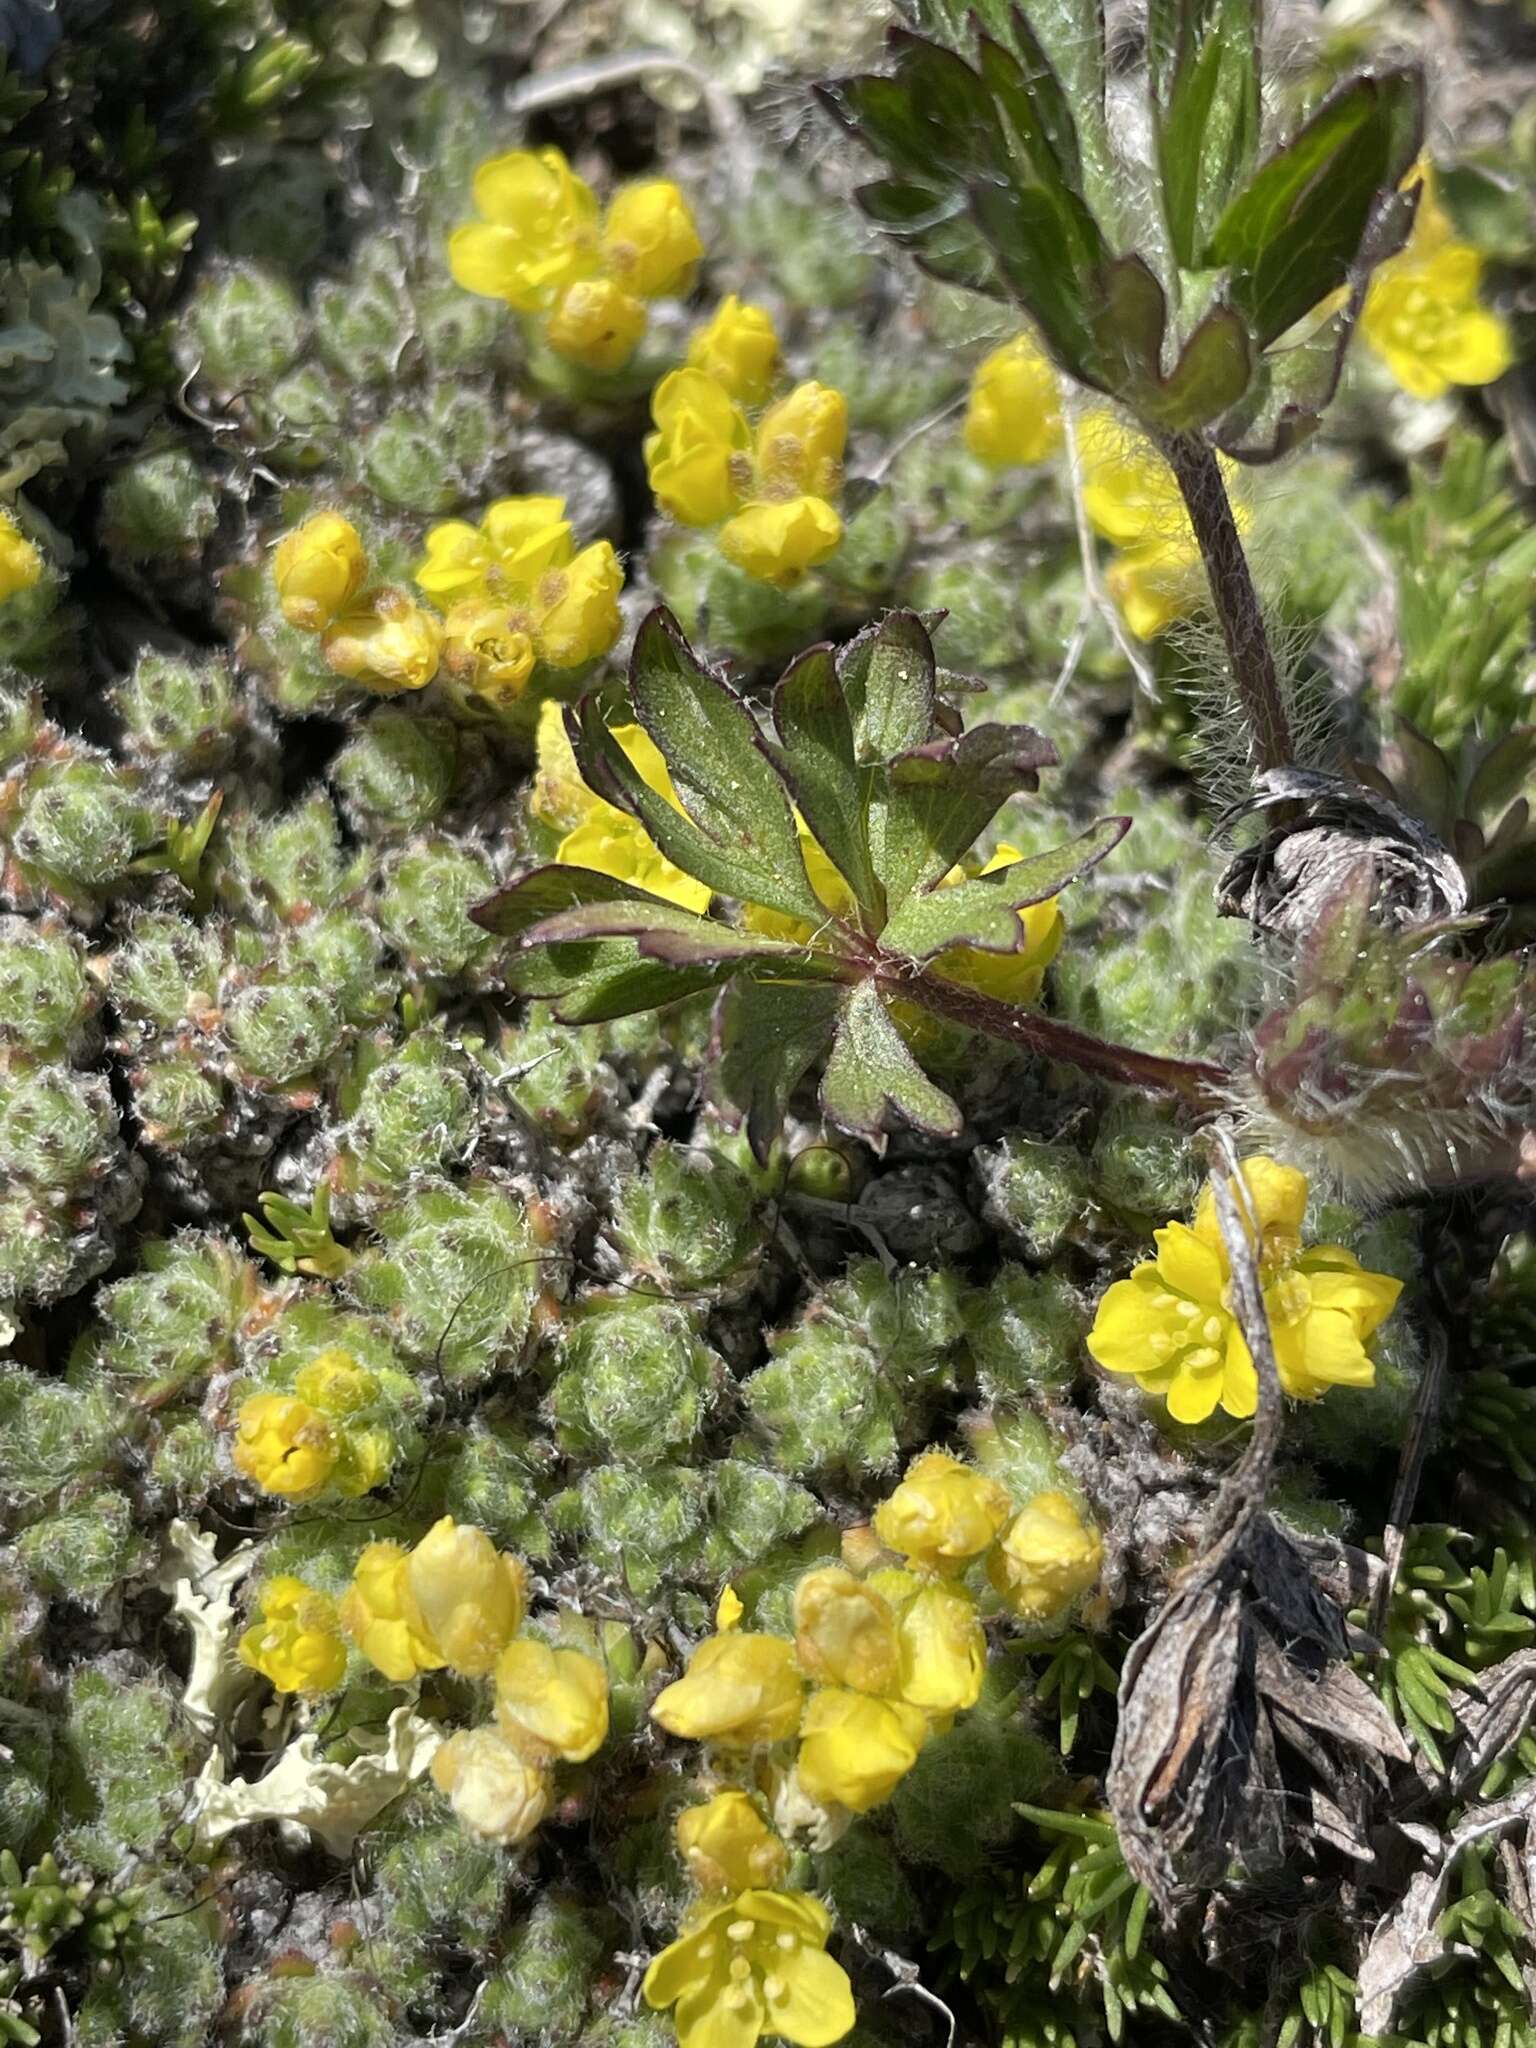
point(284, 1445)
point(596, 324)
point(845, 1632)
point(942, 1513)
point(21, 566)
point(386, 643)
point(729, 1847)
point(854, 1750)
point(800, 441)
point(464, 1595)
point(496, 1791)
point(700, 455)
point(740, 1689)
point(297, 1642)
point(379, 1616)
point(484, 648)
point(318, 569)
point(650, 241)
point(334, 1382)
point(739, 350)
point(1048, 1556)
point(579, 619)
point(943, 1650)
point(776, 543)
point(553, 1700)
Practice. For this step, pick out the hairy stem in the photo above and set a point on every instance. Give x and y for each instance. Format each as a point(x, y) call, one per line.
point(1196, 1082)
point(1249, 655)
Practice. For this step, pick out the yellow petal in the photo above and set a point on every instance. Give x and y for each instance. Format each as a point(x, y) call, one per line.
point(1193, 1395)
point(1188, 1265)
point(709, 2019)
point(488, 261)
point(680, 1967)
point(816, 2006)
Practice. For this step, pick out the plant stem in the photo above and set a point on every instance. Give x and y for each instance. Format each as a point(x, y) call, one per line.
point(1252, 662)
point(1197, 1082)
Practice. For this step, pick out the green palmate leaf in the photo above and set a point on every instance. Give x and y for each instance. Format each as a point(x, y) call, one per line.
point(662, 931)
point(606, 978)
point(1293, 233)
point(722, 772)
point(936, 226)
point(938, 799)
point(1213, 372)
point(1129, 321)
point(870, 1071)
point(771, 1034)
point(817, 761)
point(985, 912)
point(1040, 260)
point(543, 891)
point(1036, 113)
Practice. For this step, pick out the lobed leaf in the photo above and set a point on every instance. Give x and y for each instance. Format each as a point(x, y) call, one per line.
point(870, 1071)
point(984, 912)
point(543, 891)
point(811, 714)
point(938, 799)
point(771, 1033)
point(888, 677)
point(662, 931)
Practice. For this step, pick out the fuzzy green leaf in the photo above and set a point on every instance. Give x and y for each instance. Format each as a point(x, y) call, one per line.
point(604, 979)
point(1293, 233)
point(938, 799)
point(1211, 375)
point(984, 912)
point(543, 891)
point(871, 1071)
point(771, 1033)
point(811, 713)
point(742, 840)
point(1203, 61)
point(888, 676)
point(662, 931)
point(1040, 258)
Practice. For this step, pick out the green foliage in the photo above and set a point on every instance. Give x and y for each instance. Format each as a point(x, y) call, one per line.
point(690, 1222)
point(636, 1381)
point(546, 1973)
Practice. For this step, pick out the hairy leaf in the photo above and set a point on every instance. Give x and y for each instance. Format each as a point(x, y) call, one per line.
point(771, 1033)
point(870, 1071)
point(604, 979)
point(664, 932)
point(888, 676)
point(543, 891)
point(985, 912)
point(817, 761)
point(940, 798)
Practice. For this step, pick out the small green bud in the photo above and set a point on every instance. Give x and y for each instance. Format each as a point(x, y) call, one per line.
point(243, 328)
point(282, 1030)
point(1035, 1191)
point(174, 1320)
point(460, 334)
point(439, 1884)
point(1025, 1332)
point(416, 1116)
point(43, 1254)
point(343, 951)
point(541, 1988)
point(58, 1128)
point(294, 862)
point(822, 1406)
point(643, 1524)
point(424, 904)
point(1144, 1165)
point(21, 724)
point(47, 999)
point(83, 1552)
point(135, 1756)
point(403, 461)
point(555, 1073)
point(690, 1221)
point(364, 325)
point(158, 508)
point(52, 1434)
point(83, 824)
point(492, 1481)
point(186, 1461)
point(751, 1511)
point(183, 712)
point(635, 1381)
point(330, 2011)
point(397, 773)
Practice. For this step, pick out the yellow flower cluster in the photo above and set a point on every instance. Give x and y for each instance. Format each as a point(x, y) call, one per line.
point(296, 1642)
point(515, 590)
point(21, 566)
point(1132, 499)
point(1013, 413)
point(1422, 314)
point(454, 1601)
point(889, 1658)
point(1170, 1326)
point(579, 276)
point(750, 1959)
point(515, 593)
point(314, 1439)
point(771, 489)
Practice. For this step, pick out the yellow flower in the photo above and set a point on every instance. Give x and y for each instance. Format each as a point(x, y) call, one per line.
point(1132, 498)
point(464, 1595)
point(1422, 315)
point(284, 1445)
point(335, 1382)
point(606, 839)
point(738, 349)
point(800, 443)
point(597, 324)
point(727, 1845)
point(379, 1615)
point(537, 234)
point(21, 566)
point(520, 594)
point(751, 1966)
point(776, 543)
point(385, 642)
point(942, 1513)
point(1047, 1557)
point(845, 1632)
point(1013, 416)
point(555, 1700)
point(855, 1750)
point(728, 1610)
point(1011, 977)
point(740, 1689)
point(297, 1642)
point(941, 1648)
point(650, 242)
point(495, 1790)
point(318, 570)
point(699, 458)
point(484, 648)
point(1170, 1325)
